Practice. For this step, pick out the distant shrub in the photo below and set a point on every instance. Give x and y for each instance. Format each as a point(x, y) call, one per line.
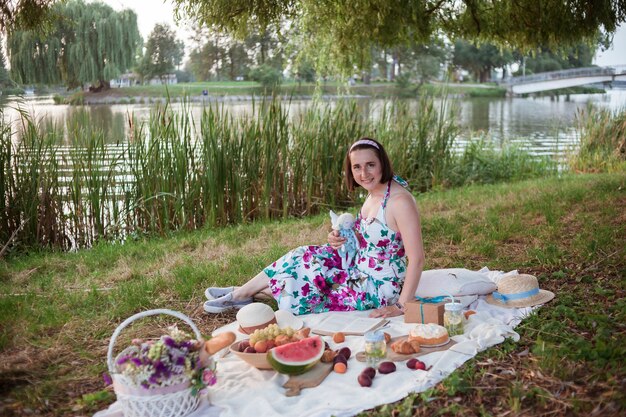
point(487, 92)
point(58, 99)
point(11, 91)
point(76, 99)
point(404, 86)
point(269, 77)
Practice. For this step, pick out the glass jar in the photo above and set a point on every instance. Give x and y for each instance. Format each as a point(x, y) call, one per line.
point(453, 318)
point(375, 347)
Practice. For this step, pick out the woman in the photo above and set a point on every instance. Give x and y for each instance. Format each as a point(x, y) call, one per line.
point(386, 270)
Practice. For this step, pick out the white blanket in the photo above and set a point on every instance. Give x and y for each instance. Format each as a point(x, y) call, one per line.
point(242, 390)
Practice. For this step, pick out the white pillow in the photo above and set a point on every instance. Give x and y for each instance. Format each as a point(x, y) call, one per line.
point(454, 281)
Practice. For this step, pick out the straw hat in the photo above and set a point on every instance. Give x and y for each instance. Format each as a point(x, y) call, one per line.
point(259, 315)
point(519, 291)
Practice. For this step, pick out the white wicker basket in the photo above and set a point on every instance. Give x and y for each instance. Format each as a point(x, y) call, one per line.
point(173, 401)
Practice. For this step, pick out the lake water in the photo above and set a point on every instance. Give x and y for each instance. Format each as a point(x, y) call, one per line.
point(545, 126)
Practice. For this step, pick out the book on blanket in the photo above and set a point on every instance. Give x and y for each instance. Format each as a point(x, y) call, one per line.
point(355, 326)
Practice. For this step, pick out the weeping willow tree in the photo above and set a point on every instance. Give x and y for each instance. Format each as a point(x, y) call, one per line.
point(85, 44)
point(344, 32)
point(5, 80)
point(27, 14)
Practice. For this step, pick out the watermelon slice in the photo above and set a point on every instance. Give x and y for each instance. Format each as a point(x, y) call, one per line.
point(297, 357)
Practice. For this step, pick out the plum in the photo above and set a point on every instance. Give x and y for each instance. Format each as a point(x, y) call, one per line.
point(243, 345)
point(369, 371)
point(340, 358)
point(364, 380)
point(346, 352)
point(386, 367)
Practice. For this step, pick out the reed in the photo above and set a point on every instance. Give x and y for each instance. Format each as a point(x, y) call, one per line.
point(483, 163)
point(602, 141)
point(64, 186)
point(30, 187)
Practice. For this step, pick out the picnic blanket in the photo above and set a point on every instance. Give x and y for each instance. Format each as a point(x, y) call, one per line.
point(243, 390)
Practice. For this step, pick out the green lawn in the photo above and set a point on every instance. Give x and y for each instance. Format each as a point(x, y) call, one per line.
point(289, 88)
point(58, 310)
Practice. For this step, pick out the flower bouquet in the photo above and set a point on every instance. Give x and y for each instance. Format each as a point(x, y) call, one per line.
point(163, 377)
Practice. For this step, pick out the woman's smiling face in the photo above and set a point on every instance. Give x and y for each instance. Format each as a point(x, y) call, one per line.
point(366, 168)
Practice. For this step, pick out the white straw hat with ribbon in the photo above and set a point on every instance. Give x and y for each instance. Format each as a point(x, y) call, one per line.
point(519, 291)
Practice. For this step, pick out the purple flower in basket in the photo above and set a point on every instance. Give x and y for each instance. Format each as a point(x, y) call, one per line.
point(208, 377)
point(172, 359)
point(169, 342)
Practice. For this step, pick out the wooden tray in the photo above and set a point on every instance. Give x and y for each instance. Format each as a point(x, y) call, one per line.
point(310, 379)
point(398, 357)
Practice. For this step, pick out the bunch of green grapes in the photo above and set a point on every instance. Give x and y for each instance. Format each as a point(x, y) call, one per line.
point(270, 333)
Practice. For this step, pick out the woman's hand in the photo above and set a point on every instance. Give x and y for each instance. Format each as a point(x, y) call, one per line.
point(335, 240)
point(388, 311)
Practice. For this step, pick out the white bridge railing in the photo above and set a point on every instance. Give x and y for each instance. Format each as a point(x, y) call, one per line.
point(564, 74)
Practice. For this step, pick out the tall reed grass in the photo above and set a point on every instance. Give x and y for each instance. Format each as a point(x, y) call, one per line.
point(66, 187)
point(602, 136)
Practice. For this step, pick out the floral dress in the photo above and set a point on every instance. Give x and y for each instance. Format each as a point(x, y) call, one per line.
point(310, 279)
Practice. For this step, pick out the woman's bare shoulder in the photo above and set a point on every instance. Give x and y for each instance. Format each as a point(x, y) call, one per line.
point(402, 203)
point(401, 195)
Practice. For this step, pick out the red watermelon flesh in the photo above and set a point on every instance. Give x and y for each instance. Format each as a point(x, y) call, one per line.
point(297, 357)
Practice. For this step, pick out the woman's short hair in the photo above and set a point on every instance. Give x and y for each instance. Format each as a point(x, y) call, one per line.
point(379, 150)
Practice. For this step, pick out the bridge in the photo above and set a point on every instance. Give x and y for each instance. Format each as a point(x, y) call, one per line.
point(562, 79)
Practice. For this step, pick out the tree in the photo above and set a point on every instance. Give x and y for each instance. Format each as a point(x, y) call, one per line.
point(237, 60)
point(420, 61)
point(345, 31)
point(5, 80)
point(480, 59)
point(207, 57)
point(87, 43)
point(163, 54)
point(24, 14)
point(266, 48)
point(545, 59)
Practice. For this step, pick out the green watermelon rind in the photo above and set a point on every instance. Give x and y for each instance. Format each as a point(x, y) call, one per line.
point(295, 369)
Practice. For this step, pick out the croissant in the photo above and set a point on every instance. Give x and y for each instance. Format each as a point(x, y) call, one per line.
point(415, 344)
point(404, 347)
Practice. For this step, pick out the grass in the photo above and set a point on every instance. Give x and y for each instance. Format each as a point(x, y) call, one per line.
point(236, 89)
point(58, 310)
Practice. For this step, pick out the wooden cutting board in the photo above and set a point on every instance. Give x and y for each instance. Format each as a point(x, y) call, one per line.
point(309, 379)
point(398, 357)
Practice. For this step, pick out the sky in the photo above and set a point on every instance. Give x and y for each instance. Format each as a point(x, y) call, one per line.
point(151, 12)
